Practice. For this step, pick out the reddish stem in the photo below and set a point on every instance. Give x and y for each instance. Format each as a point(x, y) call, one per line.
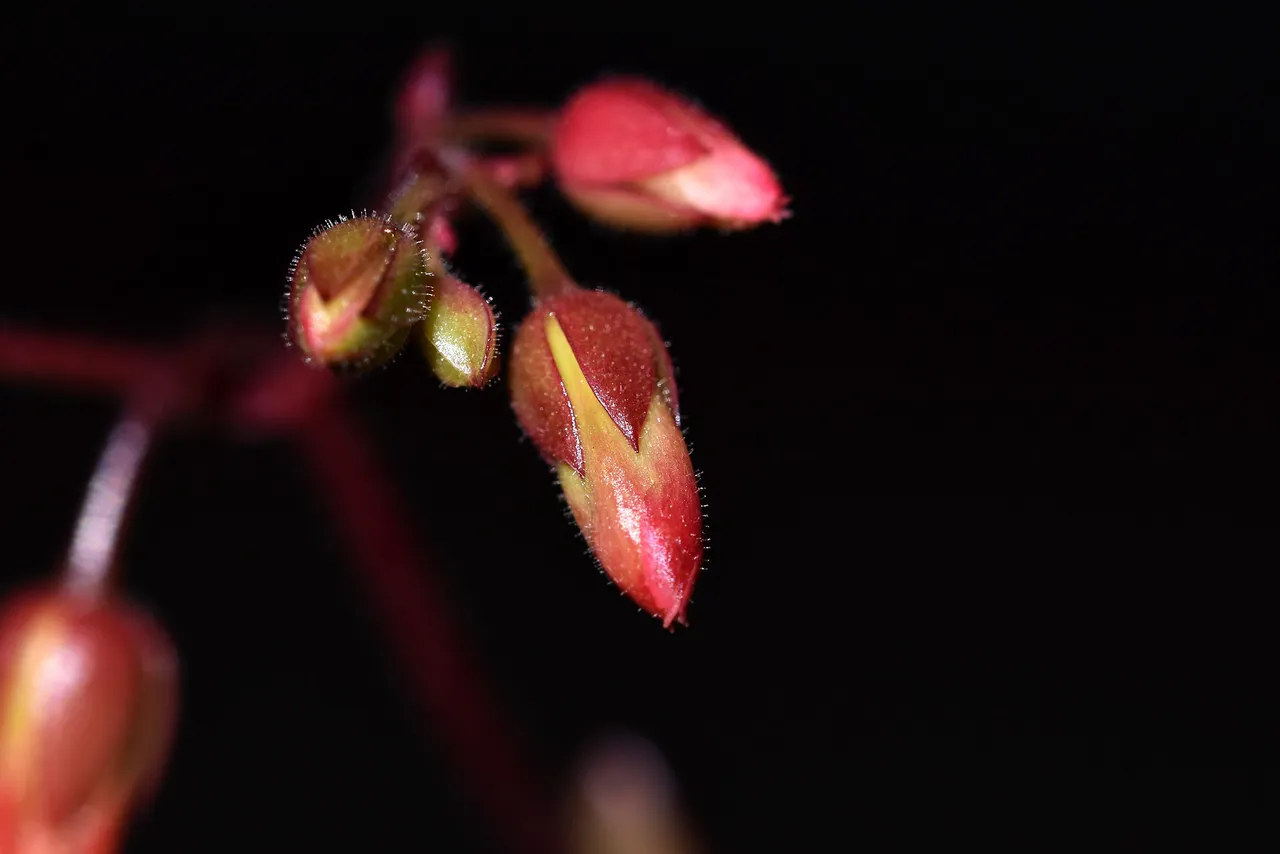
point(411, 609)
point(87, 364)
point(515, 171)
point(502, 124)
point(276, 392)
point(547, 275)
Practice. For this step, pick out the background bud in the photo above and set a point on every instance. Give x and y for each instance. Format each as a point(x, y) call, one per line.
point(356, 289)
point(636, 156)
point(87, 707)
point(426, 93)
point(460, 335)
point(624, 801)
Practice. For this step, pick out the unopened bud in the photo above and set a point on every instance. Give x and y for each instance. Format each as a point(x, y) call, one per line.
point(625, 802)
point(636, 156)
point(591, 385)
point(87, 708)
point(460, 335)
point(425, 95)
point(356, 289)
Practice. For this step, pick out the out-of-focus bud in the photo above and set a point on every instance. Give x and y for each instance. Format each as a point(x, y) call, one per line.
point(356, 289)
point(592, 386)
point(87, 708)
point(624, 802)
point(636, 156)
point(441, 235)
point(460, 335)
point(426, 93)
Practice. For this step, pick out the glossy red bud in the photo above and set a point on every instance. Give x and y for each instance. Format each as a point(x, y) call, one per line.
point(591, 385)
point(637, 156)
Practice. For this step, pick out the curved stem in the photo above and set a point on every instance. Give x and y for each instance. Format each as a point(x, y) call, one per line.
point(95, 544)
point(418, 191)
point(547, 276)
point(532, 127)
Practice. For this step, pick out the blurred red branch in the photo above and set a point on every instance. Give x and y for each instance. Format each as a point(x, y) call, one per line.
point(71, 360)
point(411, 610)
point(250, 383)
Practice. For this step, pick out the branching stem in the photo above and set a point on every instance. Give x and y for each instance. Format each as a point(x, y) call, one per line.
point(547, 275)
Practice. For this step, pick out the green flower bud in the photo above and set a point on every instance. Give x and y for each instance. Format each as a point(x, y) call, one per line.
point(460, 335)
point(356, 288)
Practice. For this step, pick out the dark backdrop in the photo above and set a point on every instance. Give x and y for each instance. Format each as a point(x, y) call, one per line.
point(986, 429)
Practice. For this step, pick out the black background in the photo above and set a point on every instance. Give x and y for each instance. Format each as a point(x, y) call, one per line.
point(987, 429)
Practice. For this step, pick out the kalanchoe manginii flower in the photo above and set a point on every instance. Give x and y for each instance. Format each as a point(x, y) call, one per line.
point(87, 709)
point(636, 156)
point(460, 335)
point(592, 385)
point(356, 289)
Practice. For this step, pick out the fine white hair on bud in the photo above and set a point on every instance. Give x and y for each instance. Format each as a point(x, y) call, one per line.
point(357, 286)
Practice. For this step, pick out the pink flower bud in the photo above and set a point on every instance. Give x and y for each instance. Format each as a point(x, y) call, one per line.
point(637, 156)
point(356, 288)
point(460, 335)
point(426, 93)
point(592, 386)
point(87, 708)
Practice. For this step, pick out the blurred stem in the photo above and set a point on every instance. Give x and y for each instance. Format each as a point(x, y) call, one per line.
point(413, 610)
point(547, 276)
point(413, 199)
point(532, 127)
point(95, 545)
point(72, 360)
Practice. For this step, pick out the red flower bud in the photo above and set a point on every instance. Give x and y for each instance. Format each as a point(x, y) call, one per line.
point(460, 335)
point(637, 156)
point(426, 93)
point(87, 707)
point(592, 386)
point(356, 288)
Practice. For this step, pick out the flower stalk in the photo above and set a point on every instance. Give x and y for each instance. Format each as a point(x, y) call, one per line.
point(547, 275)
point(95, 545)
point(528, 126)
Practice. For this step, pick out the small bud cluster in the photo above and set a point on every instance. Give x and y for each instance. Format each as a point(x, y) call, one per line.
point(88, 682)
point(591, 380)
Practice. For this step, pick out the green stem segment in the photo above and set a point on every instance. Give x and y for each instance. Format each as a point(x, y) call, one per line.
point(547, 276)
point(95, 545)
point(415, 197)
